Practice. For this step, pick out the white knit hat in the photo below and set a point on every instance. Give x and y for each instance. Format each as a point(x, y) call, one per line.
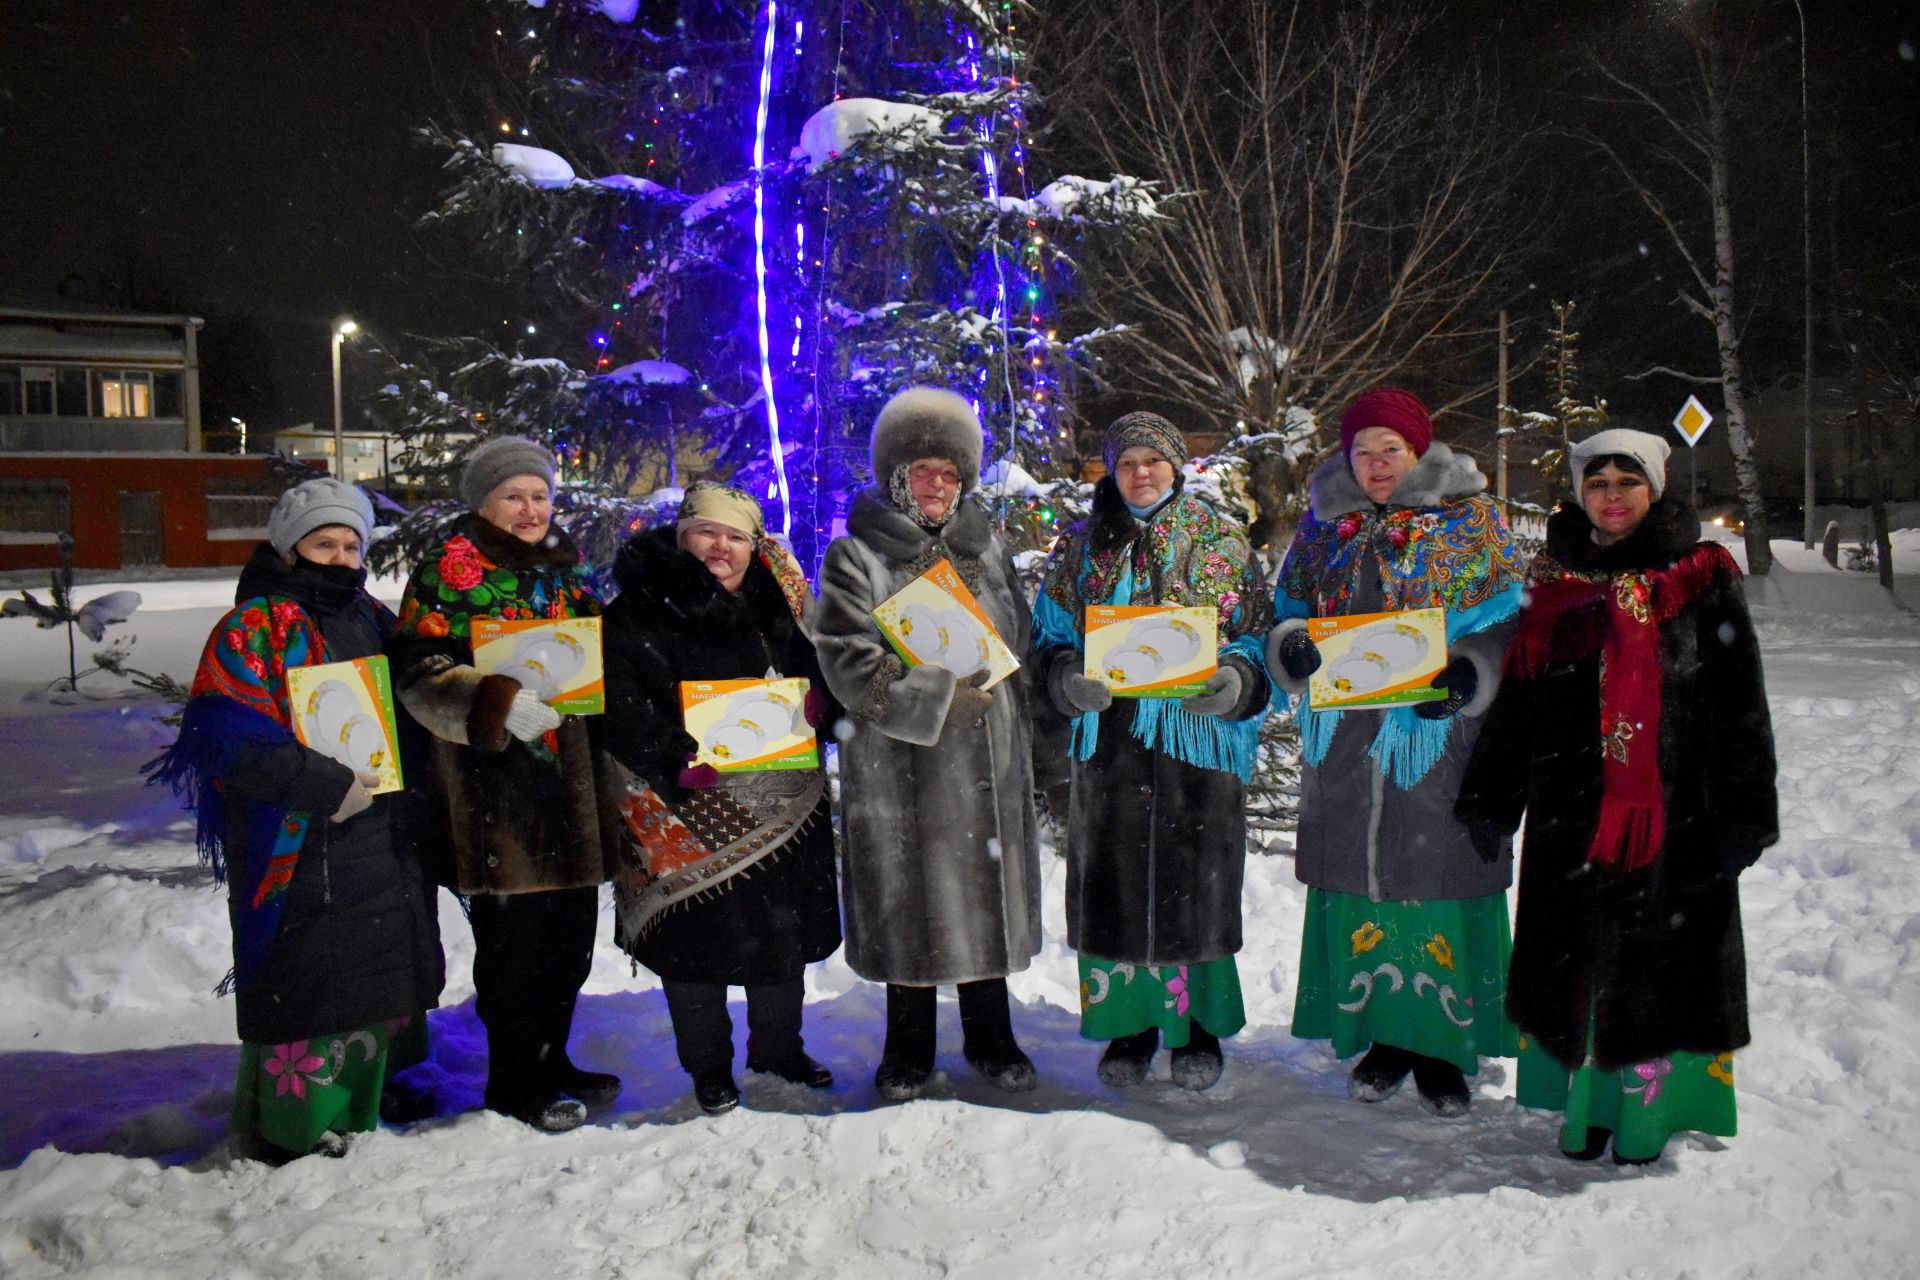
point(1650, 451)
point(315, 504)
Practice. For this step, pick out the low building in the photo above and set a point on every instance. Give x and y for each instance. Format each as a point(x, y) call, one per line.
point(100, 438)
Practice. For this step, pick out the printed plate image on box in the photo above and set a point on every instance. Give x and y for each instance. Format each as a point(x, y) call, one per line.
point(1370, 660)
point(749, 726)
point(555, 659)
point(1152, 651)
point(344, 710)
point(935, 621)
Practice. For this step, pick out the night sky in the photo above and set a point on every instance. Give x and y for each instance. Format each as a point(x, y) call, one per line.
point(251, 161)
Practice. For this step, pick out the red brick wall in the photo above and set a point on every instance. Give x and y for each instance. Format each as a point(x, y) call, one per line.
point(94, 507)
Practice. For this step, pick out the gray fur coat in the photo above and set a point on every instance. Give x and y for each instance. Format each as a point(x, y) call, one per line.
point(940, 879)
point(1360, 832)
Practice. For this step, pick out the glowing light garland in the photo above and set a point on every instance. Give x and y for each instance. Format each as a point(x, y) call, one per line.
point(760, 267)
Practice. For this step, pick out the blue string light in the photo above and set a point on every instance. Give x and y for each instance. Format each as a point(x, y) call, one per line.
point(760, 269)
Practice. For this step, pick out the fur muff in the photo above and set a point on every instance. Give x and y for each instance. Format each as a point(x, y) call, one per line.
point(673, 621)
point(1361, 833)
point(926, 422)
point(942, 875)
point(518, 818)
point(1652, 959)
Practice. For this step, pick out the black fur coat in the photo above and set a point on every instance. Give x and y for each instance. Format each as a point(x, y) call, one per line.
point(671, 622)
point(1652, 958)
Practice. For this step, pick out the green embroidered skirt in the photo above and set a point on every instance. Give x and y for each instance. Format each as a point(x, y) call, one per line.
point(1644, 1104)
point(1118, 999)
point(291, 1094)
point(1430, 977)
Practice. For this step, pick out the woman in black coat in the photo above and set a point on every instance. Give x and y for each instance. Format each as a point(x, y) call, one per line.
point(745, 893)
point(1646, 794)
point(336, 947)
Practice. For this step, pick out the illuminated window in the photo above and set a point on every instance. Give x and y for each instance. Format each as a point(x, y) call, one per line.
point(126, 395)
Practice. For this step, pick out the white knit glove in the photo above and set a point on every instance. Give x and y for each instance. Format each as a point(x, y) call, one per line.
point(529, 717)
point(359, 796)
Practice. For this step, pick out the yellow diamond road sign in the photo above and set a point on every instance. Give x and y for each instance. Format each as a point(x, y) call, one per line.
point(1692, 421)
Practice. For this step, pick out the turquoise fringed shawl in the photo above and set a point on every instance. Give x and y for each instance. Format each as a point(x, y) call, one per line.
point(1206, 742)
point(1407, 745)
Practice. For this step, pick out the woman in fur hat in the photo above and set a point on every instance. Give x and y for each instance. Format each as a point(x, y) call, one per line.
point(1406, 938)
point(530, 815)
point(335, 944)
point(1646, 793)
point(738, 887)
point(1157, 830)
point(942, 879)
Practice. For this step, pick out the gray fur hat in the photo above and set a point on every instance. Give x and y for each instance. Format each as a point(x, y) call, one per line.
point(1649, 450)
point(499, 460)
point(315, 504)
point(927, 422)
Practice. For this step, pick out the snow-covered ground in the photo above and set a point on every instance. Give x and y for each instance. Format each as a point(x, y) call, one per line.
point(116, 1064)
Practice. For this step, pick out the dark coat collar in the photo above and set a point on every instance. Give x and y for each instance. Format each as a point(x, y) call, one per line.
point(1671, 528)
point(1112, 524)
point(321, 590)
point(657, 576)
point(1440, 476)
point(555, 551)
point(890, 532)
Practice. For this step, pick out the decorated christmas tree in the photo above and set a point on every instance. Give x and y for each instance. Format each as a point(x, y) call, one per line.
point(738, 228)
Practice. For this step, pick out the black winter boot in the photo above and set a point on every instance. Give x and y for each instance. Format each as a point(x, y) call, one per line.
point(1379, 1074)
point(1126, 1060)
point(595, 1088)
point(907, 1061)
point(716, 1092)
point(1443, 1089)
point(986, 1023)
point(1197, 1064)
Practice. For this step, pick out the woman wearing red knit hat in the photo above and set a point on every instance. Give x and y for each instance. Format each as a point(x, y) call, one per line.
point(1406, 940)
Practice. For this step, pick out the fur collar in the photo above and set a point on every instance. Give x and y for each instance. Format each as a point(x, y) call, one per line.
point(658, 576)
point(1440, 476)
point(555, 551)
point(1671, 528)
point(891, 533)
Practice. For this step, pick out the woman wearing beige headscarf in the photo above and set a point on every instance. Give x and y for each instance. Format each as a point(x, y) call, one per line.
point(738, 887)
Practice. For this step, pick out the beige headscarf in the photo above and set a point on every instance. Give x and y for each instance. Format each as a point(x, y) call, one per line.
point(736, 509)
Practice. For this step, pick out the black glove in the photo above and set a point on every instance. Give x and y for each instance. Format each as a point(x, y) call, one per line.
point(1299, 655)
point(1489, 841)
point(1460, 681)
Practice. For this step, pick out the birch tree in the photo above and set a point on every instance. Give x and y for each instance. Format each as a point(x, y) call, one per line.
point(1672, 152)
point(1340, 202)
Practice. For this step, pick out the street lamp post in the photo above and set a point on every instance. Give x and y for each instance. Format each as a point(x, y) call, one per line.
point(343, 328)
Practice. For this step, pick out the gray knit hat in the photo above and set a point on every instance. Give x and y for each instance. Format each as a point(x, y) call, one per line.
point(499, 460)
point(926, 422)
point(1650, 451)
point(314, 504)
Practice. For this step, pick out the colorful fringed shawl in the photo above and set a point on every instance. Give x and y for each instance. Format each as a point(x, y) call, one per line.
point(1458, 556)
point(239, 702)
point(1574, 615)
point(1186, 553)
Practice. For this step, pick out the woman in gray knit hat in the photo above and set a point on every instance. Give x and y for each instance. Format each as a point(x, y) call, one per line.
point(532, 824)
point(941, 876)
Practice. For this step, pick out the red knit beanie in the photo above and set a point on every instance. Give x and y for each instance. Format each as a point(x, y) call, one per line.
point(1392, 408)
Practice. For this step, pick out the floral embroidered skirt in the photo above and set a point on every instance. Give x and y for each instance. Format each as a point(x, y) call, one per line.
point(291, 1094)
point(1643, 1104)
point(1430, 977)
point(1119, 999)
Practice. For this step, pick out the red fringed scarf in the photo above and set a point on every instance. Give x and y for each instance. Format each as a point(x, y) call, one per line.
point(1572, 615)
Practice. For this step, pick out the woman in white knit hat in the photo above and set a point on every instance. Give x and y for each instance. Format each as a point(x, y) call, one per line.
point(335, 947)
point(1631, 730)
